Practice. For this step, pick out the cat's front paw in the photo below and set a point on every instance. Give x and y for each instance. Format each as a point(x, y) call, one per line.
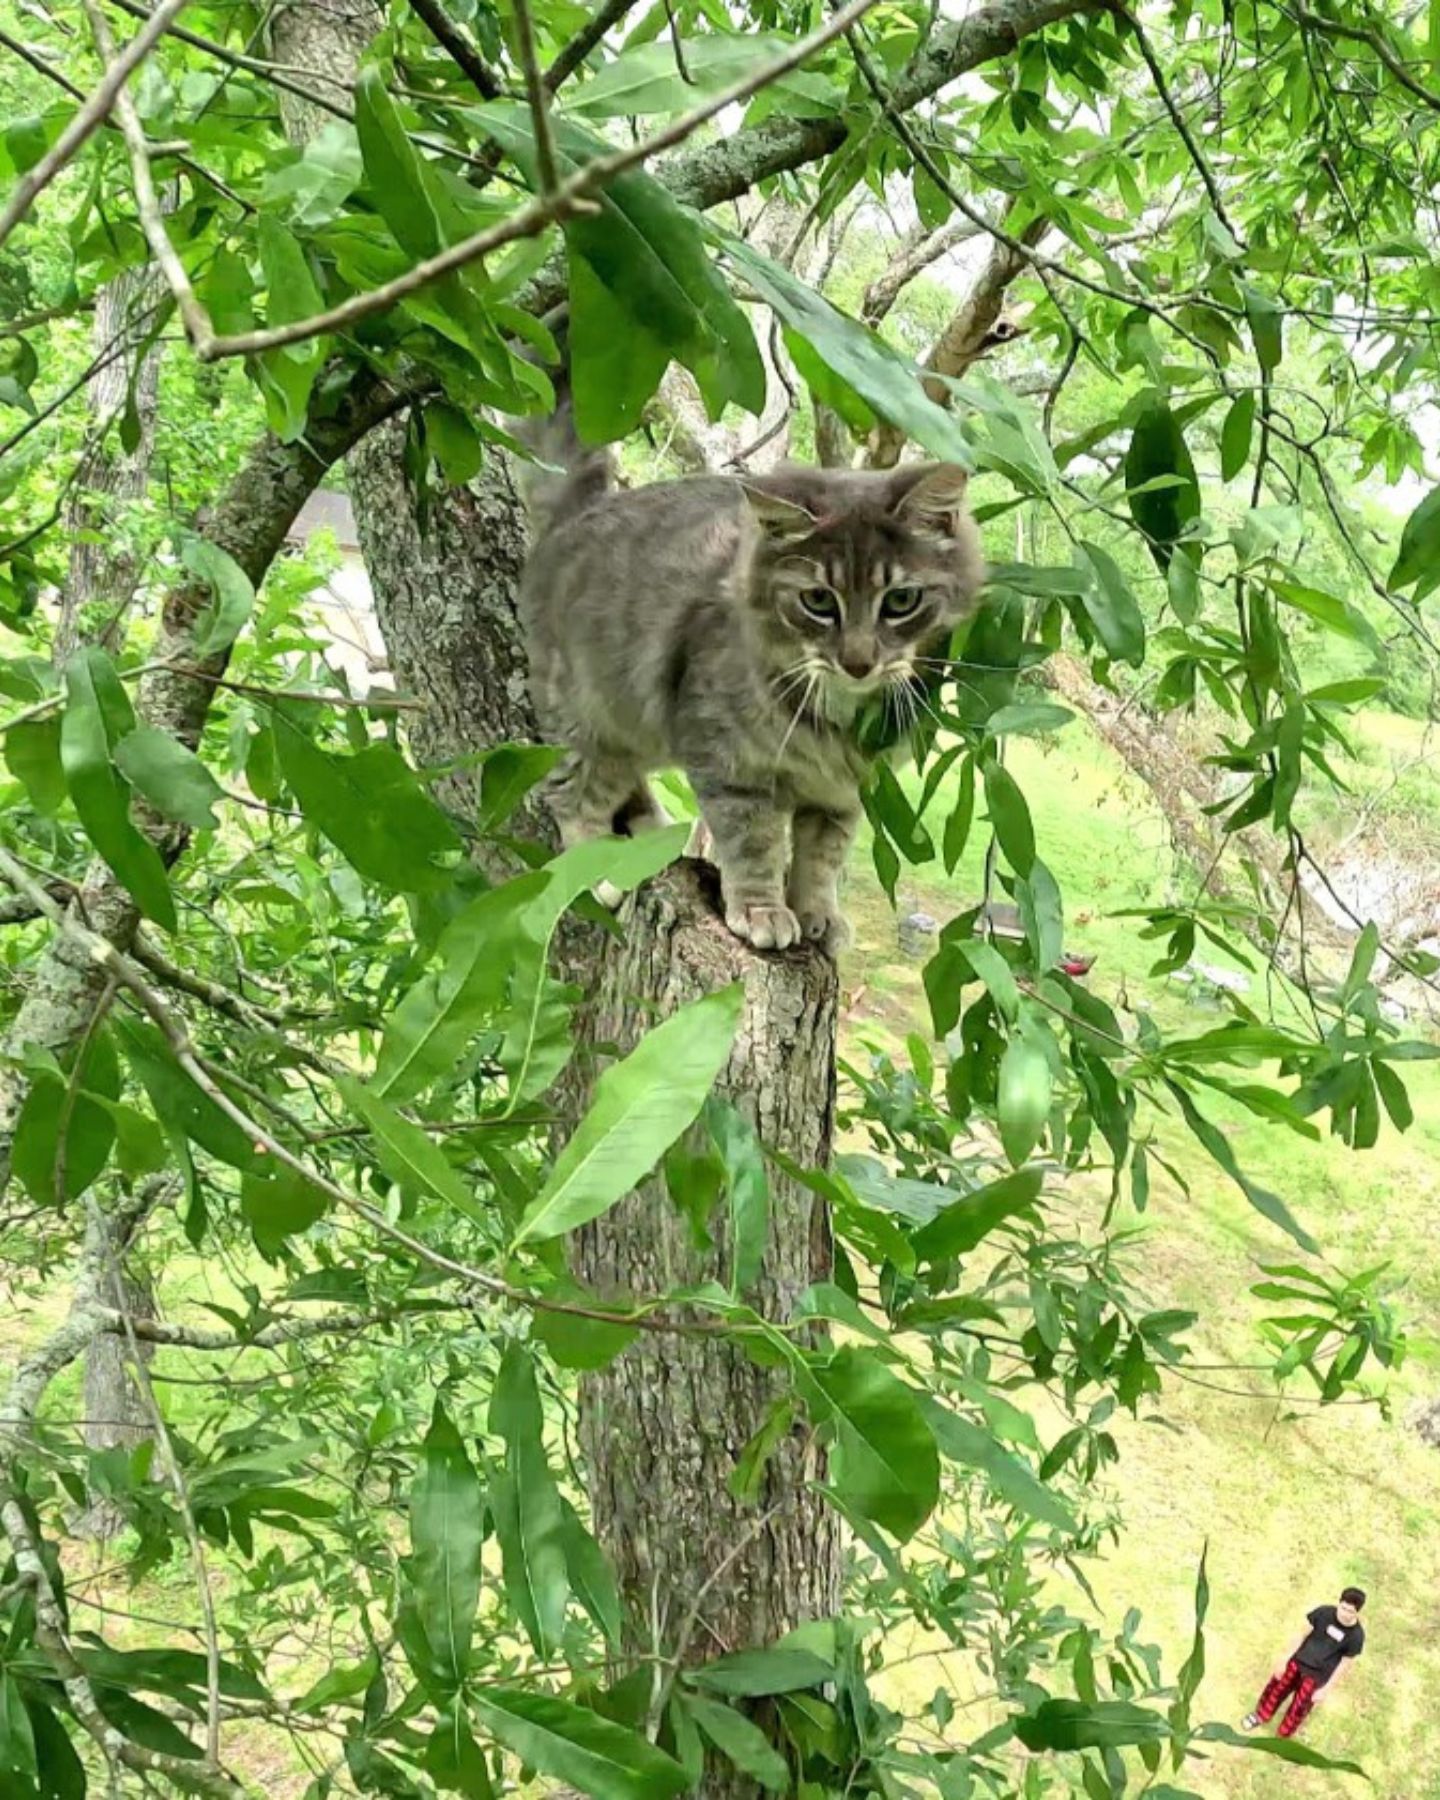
point(610, 897)
point(766, 927)
point(824, 926)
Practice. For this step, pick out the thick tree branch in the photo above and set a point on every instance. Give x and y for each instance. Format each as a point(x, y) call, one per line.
point(972, 330)
point(886, 289)
point(564, 201)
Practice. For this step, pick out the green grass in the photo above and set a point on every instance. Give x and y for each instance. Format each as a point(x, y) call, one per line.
point(1293, 1503)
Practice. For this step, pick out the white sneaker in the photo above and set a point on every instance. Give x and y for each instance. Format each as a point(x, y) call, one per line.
point(1250, 1721)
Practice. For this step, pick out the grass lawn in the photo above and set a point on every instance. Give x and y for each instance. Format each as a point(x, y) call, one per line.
point(1294, 1503)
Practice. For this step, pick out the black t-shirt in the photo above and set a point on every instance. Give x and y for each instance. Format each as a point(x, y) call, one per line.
point(1328, 1644)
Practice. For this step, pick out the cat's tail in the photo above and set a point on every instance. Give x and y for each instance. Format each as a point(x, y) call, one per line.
point(566, 475)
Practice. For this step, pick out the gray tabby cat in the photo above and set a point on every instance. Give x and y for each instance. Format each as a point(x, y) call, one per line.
point(735, 629)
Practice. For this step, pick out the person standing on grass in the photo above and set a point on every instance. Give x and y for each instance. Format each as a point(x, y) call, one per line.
point(1336, 1637)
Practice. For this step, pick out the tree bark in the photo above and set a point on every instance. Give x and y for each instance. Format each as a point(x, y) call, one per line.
point(445, 601)
point(104, 570)
point(115, 1415)
point(663, 1425)
point(975, 327)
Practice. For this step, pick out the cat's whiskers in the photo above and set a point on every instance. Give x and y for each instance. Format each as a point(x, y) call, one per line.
point(805, 699)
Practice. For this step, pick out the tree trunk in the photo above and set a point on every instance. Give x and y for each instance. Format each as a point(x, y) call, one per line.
point(104, 570)
point(115, 1415)
point(445, 601)
point(663, 1425)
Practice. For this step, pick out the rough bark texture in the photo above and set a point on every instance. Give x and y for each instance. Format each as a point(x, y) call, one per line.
point(445, 600)
point(103, 566)
point(115, 1414)
point(663, 1425)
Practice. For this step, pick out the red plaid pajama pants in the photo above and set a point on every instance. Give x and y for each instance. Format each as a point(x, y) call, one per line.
point(1296, 1682)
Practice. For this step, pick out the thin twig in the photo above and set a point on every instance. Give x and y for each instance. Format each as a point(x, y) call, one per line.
point(536, 94)
point(584, 41)
point(147, 200)
point(89, 118)
point(461, 51)
point(172, 1028)
point(1361, 34)
point(1177, 118)
point(569, 198)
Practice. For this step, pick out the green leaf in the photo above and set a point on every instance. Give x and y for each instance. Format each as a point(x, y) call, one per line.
point(338, 1684)
point(409, 1156)
point(278, 1206)
point(371, 807)
point(884, 1463)
point(957, 826)
point(32, 754)
point(232, 594)
point(89, 1127)
point(313, 189)
point(181, 1107)
point(751, 1674)
point(173, 779)
point(1013, 1480)
point(1419, 559)
point(17, 1739)
point(1010, 817)
point(97, 715)
point(749, 1192)
point(649, 252)
point(742, 1741)
point(1113, 609)
point(395, 173)
point(446, 1531)
point(62, 1774)
point(592, 1579)
point(454, 441)
point(645, 79)
point(1158, 449)
point(624, 863)
point(508, 773)
point(436, 1018)
point(640, 1107)
point(1214, 1140)
point(1235, 435)
point(1192, 1671)
point(1082, 1725)
point(970, 1220)
point(615, 363)
point(1289, 1750)
point(1023, 1103)
point(525, 1503)
point(1266, 327)
point(573, 1744)
point(887, 381)
point(288, 373)
point(453, 1760)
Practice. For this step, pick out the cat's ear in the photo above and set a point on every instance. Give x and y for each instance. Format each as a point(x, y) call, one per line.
point(778, 519)
point(930, 496)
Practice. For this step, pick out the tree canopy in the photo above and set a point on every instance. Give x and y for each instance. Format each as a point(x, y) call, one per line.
point(277, 1005)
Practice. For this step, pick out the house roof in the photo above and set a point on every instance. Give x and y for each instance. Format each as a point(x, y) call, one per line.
point(329, 510)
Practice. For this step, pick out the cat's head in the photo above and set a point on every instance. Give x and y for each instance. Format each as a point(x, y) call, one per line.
point(858, 578)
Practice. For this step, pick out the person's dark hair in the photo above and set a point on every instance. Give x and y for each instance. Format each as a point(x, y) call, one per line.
point(1354, 1597)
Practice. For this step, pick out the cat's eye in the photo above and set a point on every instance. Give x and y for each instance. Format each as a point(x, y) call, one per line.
point(900, 602)
point(820, 603)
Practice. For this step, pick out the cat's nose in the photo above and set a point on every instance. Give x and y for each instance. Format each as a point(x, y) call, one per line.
point(857, 666)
